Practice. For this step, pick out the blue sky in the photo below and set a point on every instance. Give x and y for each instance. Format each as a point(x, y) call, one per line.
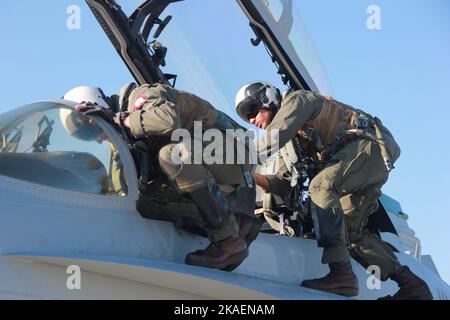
point(399, 73)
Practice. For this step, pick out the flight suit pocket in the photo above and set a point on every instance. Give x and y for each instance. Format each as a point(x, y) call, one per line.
point(353, 172)
point(357, 212)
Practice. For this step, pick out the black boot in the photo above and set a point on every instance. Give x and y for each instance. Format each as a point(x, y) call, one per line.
point(341, 280)
point(411, 286)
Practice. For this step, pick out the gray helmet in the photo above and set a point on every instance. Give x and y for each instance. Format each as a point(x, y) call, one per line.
point(257, 95)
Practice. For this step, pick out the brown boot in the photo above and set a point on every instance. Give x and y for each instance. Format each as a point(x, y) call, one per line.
point(249, 226)
point(411, 286)
point(221, 254)
point(341, 280)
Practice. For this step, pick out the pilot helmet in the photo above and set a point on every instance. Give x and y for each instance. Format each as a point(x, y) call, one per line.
point(77, 124)
point(88, 94)
point(257, 95)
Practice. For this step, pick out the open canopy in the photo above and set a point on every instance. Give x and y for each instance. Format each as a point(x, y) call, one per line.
point(277, 24)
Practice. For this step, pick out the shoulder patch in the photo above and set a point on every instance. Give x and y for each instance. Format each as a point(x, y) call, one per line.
point(139, 102)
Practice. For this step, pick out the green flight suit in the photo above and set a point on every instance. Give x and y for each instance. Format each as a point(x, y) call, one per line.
point(350, 182)
point(118, 183)
point(156, 111)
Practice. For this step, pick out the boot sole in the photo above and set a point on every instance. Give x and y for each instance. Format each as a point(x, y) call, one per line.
point(231, 267)
point(236, 259)
point(240, 256)
point(346, 292)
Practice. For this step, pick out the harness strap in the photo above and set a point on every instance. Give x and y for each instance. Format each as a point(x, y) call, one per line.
point(363, 122)
point(384, 152)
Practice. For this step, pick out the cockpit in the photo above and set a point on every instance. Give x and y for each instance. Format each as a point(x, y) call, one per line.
point(54, 146)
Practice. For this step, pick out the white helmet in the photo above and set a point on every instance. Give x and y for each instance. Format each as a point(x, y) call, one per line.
point(77, 124)
point(87, 94)
point(257, 95)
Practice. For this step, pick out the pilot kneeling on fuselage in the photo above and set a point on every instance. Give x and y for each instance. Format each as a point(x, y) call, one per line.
point(153, 113)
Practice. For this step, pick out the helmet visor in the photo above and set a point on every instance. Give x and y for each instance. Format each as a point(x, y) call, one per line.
point(80, 126)
point(248, 109)
point(89, 132)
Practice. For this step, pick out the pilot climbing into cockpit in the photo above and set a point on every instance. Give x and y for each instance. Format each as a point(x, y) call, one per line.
point(355, 153)
point(223, 193)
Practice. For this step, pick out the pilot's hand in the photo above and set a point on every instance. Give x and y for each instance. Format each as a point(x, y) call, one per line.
point(93, 109)
point(122, 119)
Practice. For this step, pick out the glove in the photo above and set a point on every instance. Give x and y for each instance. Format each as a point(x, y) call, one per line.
point(93, 109)
point(119, 118)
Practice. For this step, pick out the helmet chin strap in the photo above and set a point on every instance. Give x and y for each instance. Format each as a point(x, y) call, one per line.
point(273, 111)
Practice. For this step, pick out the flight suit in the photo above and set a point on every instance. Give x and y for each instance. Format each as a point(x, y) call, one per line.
point(155, 112)
point(345, 192)
point(118, 183)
